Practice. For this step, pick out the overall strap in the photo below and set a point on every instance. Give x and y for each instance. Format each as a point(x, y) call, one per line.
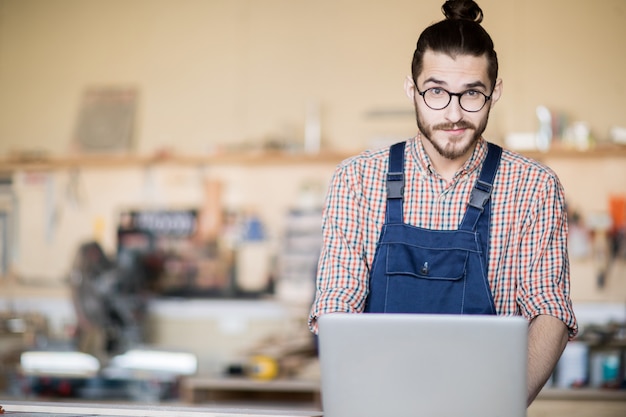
point(395, 184)
point(481, 192)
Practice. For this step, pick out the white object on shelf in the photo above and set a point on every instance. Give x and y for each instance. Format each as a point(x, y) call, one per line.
point(253, 265)
point(65, 363)
point(179, 363)
point(618, 135)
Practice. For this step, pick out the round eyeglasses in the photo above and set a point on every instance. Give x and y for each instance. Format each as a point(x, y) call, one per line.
point(438, 98)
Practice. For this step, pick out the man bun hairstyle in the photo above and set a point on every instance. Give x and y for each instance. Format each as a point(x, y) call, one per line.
point(462, 10)
point(460, 33)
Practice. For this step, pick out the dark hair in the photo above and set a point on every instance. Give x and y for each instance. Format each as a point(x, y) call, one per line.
point(460, 33)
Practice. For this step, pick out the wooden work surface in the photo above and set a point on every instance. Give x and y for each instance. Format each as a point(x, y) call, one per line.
point(54, 409)
point(198, 389)
point(540, 408)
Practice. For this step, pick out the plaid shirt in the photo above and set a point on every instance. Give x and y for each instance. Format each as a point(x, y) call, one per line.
point(528, 261)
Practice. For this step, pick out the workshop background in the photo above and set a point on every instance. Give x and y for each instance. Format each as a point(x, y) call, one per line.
point(192, 142)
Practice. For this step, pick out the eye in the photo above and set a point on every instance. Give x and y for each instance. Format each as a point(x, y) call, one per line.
point(436, 91)
point(472, 94)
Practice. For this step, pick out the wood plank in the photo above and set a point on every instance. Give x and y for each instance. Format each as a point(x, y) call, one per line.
point(576, 408)
point(255, 158)
point(48, 409)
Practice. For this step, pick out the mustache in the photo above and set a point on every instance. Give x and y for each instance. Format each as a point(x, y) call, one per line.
point(452, 126)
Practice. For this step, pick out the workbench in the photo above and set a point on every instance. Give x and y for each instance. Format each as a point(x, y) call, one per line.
point(57, 409)
point(199, 389)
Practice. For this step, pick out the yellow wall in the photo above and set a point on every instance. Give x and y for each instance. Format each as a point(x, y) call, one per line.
point(213, 73)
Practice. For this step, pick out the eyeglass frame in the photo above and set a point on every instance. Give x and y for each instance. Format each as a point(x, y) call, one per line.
point(450, 95)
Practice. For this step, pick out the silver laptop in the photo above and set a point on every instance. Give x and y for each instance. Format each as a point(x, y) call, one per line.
point(418, 365)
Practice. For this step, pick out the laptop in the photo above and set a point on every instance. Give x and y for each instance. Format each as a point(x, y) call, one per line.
point(422, 365)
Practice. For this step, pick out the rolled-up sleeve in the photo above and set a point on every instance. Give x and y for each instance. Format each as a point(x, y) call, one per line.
point(544, 285)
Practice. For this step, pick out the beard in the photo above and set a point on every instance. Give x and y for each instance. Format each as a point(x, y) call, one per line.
point(446, 149)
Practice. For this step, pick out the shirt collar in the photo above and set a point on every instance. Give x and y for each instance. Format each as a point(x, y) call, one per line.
point(474, 162)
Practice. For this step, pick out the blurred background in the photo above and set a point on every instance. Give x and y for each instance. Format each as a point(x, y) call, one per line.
point(175, 155)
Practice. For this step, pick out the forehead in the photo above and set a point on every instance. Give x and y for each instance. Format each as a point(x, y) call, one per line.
point(460, 70)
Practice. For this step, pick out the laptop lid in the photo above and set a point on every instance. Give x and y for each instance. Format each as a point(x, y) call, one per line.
point(413, 365)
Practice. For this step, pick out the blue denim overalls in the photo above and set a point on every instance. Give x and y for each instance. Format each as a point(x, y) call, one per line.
point(418, 270)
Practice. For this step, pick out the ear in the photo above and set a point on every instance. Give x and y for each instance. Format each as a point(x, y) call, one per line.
point(497, 92)
point(409, 87)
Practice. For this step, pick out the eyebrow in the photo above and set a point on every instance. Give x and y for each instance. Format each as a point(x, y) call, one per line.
point(476, 84)
point(467, 86)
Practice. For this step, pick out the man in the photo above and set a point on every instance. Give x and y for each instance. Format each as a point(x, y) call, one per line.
point(446, 222)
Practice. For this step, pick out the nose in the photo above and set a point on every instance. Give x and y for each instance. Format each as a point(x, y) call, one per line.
point(454, 112)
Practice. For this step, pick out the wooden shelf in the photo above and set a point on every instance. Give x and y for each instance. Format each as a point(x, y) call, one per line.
point(605, 151)
point(260, 158)
point(120, 161)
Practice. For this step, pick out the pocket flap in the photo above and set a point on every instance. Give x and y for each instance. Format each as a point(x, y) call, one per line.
point(441, 264)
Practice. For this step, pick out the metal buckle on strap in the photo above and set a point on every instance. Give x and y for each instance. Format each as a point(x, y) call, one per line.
point(480, 195)
point(395, 184)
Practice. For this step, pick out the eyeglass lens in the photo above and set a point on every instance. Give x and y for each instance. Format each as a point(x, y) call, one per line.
point(438, 98)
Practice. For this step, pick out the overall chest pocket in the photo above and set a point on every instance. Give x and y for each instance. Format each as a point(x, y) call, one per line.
point(426, 263)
